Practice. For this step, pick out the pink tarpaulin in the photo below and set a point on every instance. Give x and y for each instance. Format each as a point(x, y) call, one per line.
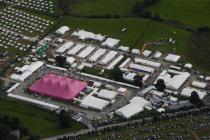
point(59, 87)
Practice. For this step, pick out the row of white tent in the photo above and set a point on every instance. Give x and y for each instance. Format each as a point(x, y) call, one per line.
point(19, 21)
point(98, 100)
point(10, 39)
point(38, 5)
point(82, 51)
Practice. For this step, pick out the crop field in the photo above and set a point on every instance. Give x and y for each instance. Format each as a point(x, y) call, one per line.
point(38, 122)
point(139, 31)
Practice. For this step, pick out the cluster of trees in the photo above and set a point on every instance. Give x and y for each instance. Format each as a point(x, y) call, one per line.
point(117, 75)
point(195, 99)
point(139, 9)
point(60, 60)
point(160, 85)
point(65, 6)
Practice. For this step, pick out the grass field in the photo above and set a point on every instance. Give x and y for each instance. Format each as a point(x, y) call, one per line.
point(38, 122)
point(103, 7)
point(194, 12)
point(138, 31)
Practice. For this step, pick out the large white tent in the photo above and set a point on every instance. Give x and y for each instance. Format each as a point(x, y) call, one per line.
point(186, 92)
point(136, 105)
point(94, 103)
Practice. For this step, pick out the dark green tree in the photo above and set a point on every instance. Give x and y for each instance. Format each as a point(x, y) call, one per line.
point(60, 60)
point(160, 85)
point(194, 98)
point(117, 74)
point(64, 119)
point(138, 81)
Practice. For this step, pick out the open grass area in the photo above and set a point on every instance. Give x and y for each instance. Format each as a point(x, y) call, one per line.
point(39, 122)
point(138, 31)
point(193, 12)
point(103, 7)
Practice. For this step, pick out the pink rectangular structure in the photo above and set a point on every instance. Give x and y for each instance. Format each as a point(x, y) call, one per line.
point(58, 87)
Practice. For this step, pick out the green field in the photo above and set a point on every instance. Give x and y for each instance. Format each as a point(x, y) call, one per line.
point(194, 12)
point(103, 7)
point(39, 122)
point(138, 31)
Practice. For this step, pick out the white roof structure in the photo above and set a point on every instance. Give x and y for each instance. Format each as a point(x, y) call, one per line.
point(146, 76)
point(186, 92)
point(122, 90)
point(21, 77)
point(28, 71)
point(136, 105)
point(135, 51)
point(146, 53)
point(13, 87)
point(100, 52)
point(198, 84)
point(83, 35)
point(147, 62)
point(115, 62)
point(207, 78)
point(172, 58)
point(124, 48)
point(36, 102)
point(35, 66)
point(86, 52)
point(108, 57)
point(173, 99)
point(125, 63)
point(188, 65)
point(157, 55)
point(65, 47)
point(106, 94)
point(129, 76)
point(63, 30)
point(110, 42)
point(146, 90)
point(138, 67)
point(70, 60)
point(76, 49)
point(173, 82)
point(157, 93)
point(94, 103)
